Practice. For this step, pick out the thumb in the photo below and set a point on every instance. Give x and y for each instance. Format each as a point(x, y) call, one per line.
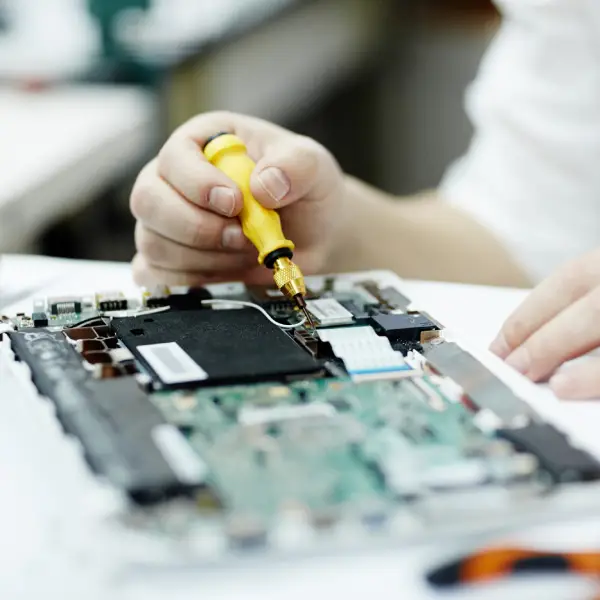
point(286, 173)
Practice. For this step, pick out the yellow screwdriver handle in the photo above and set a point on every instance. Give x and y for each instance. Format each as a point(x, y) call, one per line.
point(261, 225)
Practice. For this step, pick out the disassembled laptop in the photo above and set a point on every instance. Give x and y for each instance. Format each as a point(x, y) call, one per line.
point(249, 431)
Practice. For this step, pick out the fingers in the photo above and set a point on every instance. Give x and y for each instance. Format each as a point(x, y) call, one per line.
point(182, 164)
point(289, 166)
point(184, 205)
point(559, 291)
point(161, 252)
point(256, 133)
point(148, 275)
point(578, 382)
point(572, 333)
point(161, 209)
point(145, 274)
point(287, 172)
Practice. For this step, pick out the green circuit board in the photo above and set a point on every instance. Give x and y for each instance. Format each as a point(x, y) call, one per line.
point(328, 445)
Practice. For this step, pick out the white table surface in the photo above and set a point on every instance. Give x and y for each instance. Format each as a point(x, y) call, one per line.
point(60, 147)
point(39, 563)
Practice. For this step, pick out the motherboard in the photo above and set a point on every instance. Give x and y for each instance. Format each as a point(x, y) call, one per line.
point(225, 407)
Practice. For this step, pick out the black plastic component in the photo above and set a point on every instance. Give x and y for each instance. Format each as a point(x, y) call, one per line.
point(60, 306)
point(546, 563)
point(360, 315)
point(277, 254)
point(109, 304)
point(434, 321)
point(402, 328)
point(313, 343)
point(406, 347)
point(273, 301)
point(453, 573)
point(230, 345)
point(269, 297)
point(190, 301)
point(555, 453)
point(114, 420)
point(212, 138)
point(157, 301)
point(40, 319)
point(447, 575)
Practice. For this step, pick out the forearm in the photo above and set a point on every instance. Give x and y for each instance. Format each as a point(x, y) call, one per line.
point(420, 238)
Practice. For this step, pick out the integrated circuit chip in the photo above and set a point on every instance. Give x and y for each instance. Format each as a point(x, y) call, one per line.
point(328, 312)
point(405, 327)
point(63, 306)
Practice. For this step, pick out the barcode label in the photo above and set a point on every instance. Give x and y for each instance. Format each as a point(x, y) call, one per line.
point(172, 364)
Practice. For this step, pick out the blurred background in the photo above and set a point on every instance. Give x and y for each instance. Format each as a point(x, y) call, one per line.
point(89, 89)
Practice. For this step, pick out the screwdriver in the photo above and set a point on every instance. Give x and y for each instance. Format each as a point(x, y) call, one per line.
point(260, 225)
point(496, 563)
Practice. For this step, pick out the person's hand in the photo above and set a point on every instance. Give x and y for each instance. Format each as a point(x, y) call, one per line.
point(558, 322)
point(187, 233)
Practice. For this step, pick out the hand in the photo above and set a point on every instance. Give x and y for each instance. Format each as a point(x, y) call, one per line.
point(187, 233)
point(558, 322)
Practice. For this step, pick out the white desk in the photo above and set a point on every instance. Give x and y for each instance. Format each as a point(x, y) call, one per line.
point(43, 561)
point(60, 148)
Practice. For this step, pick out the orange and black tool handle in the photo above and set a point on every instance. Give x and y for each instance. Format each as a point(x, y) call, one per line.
point(504, 562)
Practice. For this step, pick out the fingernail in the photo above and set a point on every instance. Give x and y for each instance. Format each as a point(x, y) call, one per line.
point(520, 360)
point(233, 238)
point(222, 200)
point(562, 385)
point(500, 346)
point(275, 183)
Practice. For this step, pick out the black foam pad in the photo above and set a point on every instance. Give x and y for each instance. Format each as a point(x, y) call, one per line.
point(230, 345)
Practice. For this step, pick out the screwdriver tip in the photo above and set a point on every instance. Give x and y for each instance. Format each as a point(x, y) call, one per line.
point(309, 318)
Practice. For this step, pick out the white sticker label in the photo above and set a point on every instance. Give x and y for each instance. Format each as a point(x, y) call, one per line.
point(172, 364)
point(186, 464)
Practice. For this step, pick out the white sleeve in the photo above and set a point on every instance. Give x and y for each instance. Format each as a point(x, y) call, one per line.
point(532, 173)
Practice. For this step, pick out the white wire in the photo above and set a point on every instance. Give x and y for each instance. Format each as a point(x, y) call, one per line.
point(142, 312)
point(257, 307)
point(222, 302)
point(151, 311)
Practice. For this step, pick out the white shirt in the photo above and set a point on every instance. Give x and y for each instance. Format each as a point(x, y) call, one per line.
point(532, 173)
